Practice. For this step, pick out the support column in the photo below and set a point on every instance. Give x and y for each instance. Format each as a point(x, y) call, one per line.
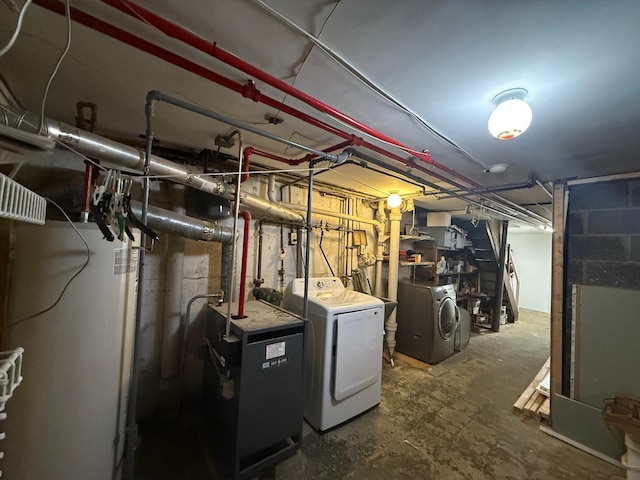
point(173, 291)
point(391, 326)
point(381, 217)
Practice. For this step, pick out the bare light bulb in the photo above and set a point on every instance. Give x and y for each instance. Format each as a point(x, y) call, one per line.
point(394, 200)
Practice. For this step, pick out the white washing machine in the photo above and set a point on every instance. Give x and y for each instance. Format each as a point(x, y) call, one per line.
point(343, 357)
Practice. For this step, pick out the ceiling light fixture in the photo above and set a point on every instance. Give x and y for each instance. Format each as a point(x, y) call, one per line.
point(496, 168)
point(394, 200)
point(512, 115)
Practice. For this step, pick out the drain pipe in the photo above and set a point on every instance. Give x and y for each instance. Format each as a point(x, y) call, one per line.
point(391, 325)
point(381, 217)
point(271, 191)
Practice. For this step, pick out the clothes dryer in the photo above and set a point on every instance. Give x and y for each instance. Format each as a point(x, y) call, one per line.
point(343, 355)
point(427, 321)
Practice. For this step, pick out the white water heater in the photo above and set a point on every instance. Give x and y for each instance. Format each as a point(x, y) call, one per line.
point(67, 419)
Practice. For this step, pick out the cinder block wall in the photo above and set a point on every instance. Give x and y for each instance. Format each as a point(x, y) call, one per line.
point(603, 242)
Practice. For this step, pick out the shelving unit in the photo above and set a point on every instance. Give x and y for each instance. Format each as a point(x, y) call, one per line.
point(425, 270)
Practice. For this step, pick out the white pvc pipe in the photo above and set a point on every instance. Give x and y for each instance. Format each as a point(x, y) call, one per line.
point(391, 326)
point(271, 191)
point(170, 361)
point(381, 218)
point(631, 459)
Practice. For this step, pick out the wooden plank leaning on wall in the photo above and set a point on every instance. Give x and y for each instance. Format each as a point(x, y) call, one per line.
point(557, 286)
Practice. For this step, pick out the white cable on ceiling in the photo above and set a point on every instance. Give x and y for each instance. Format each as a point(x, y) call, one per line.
point(365, 80)
point(67, 10)
point(13, 38)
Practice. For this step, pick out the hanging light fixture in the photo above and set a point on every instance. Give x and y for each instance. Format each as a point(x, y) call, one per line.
point(512, 115)
point(394, 200)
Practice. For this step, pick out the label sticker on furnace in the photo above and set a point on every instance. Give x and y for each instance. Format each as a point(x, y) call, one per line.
point(275, 350)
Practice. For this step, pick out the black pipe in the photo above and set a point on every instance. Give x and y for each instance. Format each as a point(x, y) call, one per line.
point(400, 171)
point(298, 252)
point(258, 280)
point(530, 183)
point(324, 254)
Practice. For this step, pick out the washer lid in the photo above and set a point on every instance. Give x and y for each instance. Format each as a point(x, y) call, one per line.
point(337, 301)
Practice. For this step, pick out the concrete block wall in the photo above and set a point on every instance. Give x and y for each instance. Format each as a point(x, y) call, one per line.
point(602, 245)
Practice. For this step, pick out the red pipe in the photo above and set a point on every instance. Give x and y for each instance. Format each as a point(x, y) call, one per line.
point(248, 90)
point(210, 48)
point(246, 153)
point(289, 161)
point(246, 216)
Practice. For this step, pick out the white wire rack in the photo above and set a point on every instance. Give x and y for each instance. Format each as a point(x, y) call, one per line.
point(10, 378)
point(20, 203)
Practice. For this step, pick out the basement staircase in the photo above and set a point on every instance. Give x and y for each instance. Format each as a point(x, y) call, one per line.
point(485, 237)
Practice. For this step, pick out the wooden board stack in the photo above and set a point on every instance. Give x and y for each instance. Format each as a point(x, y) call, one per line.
point(534, 401)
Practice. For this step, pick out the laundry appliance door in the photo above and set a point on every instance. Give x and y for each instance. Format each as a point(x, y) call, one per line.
point(447, 318)
point(358, 347)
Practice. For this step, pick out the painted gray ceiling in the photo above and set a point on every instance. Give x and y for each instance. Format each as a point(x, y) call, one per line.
point(445, 60)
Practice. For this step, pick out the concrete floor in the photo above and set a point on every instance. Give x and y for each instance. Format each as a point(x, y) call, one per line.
point(454, 420)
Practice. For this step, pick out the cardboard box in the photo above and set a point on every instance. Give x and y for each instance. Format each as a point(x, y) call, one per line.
point(438, 219)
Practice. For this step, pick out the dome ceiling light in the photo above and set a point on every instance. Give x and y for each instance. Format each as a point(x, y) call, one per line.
point(512, 115)
point(496, 168)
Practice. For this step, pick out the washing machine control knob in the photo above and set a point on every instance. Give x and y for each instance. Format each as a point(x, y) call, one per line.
point(320, 284)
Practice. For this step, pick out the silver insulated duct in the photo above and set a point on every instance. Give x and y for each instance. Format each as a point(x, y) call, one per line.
point(113, 152)
point(129, 157)
point(183, 226)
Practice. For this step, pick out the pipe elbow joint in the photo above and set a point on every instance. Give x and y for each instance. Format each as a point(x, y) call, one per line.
point(341, 157)
point(248, 151)
point(152, 97)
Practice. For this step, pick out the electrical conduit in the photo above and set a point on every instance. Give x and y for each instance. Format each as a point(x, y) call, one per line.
point(212, 49)
point(248, 90)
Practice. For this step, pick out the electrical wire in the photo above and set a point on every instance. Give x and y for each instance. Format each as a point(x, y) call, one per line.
point(353, 71)
point(14, 37)
point(67, 10)
point(75, 275)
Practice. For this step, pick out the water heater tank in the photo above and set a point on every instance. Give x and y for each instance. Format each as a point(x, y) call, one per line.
point(67, 419)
